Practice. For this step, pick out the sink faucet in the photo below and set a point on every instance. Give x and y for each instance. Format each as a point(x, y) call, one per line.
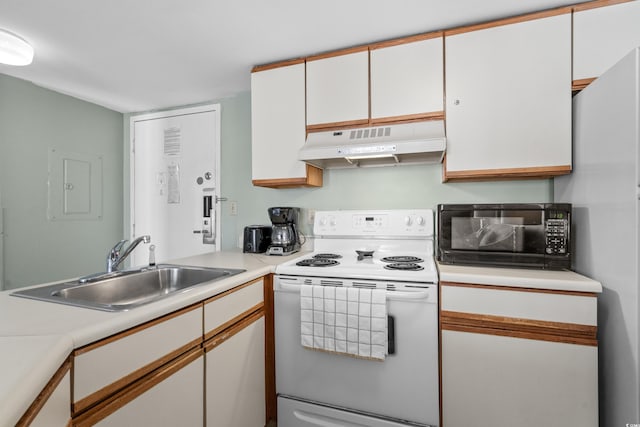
point(114, 258)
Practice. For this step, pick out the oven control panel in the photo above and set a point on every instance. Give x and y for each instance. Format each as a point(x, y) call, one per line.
point(401, 222)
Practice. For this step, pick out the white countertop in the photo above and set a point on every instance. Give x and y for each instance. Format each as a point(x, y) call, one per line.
point(519, 277)
point(36, 336)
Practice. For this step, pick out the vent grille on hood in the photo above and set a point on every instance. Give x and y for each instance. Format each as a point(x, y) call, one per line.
point(392, 145)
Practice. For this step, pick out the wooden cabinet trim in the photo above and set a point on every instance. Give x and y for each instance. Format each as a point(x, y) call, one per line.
point(408, 118)
point(520, 289)
point(341, 52)
point(273, 65)
point(320, 127)
point(111, 389)
point(313, 179)
point(135, 329)
point(507, 21)
point(33, 410)
point(597, 4)
point(581, 83)
point(134, 390)
point(506, 173)
point(224, 335)
point(269, 352)
point(540, 330)
point(406, 40)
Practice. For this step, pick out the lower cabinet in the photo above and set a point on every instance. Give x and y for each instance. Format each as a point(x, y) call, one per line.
point(518, 357)
point(202, 365)
point(235, 376)
point(52, 408)
point(173, 396)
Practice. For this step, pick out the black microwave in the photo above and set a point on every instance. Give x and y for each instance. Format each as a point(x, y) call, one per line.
point(522, 235)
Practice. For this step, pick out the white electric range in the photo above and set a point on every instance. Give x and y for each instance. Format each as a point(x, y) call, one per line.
point(390, 250)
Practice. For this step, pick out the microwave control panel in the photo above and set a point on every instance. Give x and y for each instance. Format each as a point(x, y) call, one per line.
point(556, 233)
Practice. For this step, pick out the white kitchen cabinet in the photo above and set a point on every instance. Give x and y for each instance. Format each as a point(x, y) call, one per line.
point(173, 396)
point(508, 104)
point(234, 325)
point(338, 89)
point(407, 79)
point(601, 37)
point(278, 127)
point(517, 356)
point(235, 375)
point(104, 368)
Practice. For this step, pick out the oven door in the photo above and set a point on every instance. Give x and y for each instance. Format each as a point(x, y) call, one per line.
point(404, 387)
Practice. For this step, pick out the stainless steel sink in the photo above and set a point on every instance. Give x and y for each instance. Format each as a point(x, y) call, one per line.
point(124, 290)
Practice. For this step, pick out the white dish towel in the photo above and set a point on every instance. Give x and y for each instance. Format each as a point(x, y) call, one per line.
point(350, 321)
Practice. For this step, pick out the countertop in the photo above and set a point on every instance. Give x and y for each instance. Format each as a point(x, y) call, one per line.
point(519, 277)
point(36, 337)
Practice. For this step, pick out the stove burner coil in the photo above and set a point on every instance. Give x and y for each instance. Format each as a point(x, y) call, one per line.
point(404, 266)
point(317, 262)
point(402, 258)
point(327, 256)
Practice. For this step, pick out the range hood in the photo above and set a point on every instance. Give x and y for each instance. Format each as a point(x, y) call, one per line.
point(390, 145)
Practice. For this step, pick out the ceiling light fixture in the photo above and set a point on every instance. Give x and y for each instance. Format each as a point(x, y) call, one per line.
point(14, 50)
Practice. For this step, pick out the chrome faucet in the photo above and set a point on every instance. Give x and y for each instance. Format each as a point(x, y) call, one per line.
point(114, 258)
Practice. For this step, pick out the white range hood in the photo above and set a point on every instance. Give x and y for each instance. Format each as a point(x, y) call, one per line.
point(387, 145)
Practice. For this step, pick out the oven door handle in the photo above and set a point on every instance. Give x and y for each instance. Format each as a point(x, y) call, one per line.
point(391, 295)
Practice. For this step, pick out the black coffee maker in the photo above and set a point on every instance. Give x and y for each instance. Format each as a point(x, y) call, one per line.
point(285, 239)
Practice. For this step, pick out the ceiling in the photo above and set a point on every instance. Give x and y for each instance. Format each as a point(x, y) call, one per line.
point(133, 56)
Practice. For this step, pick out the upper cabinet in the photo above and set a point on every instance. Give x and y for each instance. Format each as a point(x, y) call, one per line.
point(508, 108)
point(338, 89)
point(601, 37)
point(407, 79)
point(278, 127)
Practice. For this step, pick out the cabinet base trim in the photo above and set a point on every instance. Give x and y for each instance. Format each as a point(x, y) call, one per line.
point(581, 84)
point(570, 333)
point(506, 173)
point(313, 179)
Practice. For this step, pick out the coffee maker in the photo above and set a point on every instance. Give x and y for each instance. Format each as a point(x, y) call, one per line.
point(284, 231)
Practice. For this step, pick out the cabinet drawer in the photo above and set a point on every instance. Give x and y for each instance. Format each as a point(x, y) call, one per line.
point(227, 308)
point(524, 304)
point(102, 368)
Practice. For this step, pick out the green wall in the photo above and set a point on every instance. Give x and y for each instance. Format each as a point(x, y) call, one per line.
point(417, 186)
point(34, 120)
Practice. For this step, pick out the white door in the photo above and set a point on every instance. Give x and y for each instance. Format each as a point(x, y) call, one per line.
point(175, 182)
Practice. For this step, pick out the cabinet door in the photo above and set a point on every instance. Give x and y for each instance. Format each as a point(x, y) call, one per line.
point(103, 368)
point(407, 80)
point(602, 36)
point(235, 377)
point(498, 381)
point(278, 125)
point(338, 89)
point(508, 107)
point(175, 401)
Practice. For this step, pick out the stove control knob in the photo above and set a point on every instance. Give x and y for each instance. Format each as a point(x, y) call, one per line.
point(420, 220)
point(332, 221)
point(323, 221)
point(407, 220)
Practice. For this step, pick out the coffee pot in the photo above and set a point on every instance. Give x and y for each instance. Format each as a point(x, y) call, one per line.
point(285, 239)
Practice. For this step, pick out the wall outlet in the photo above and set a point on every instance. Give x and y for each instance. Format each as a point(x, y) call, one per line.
point(233, 208)
point(311, 216)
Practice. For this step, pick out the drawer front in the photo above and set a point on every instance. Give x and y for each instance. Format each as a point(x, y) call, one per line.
point(227, 308)
point(104, 367)
point(525, 304)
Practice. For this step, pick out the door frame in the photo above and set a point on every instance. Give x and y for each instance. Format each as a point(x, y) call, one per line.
point(215, 108)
